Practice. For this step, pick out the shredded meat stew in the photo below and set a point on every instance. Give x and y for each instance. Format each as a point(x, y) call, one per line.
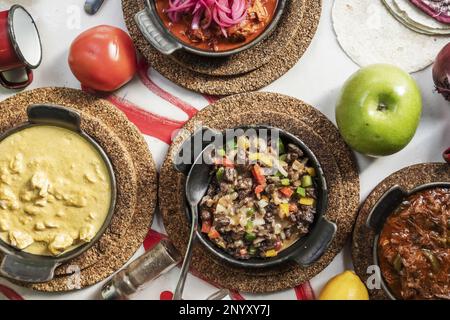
point(414, 247)
point(260, 14)
point(259, 203)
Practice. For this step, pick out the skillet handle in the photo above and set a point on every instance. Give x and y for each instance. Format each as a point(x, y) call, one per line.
point(192, 147)
point(147, 24)
point(28, 271)
point(53, 114)
point(317, 243)
point(390, 200)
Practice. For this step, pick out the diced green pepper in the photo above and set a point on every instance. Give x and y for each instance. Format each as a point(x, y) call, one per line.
point(252, 251)
point(281, 148)
point(221, 152)
point(285, 182)
point(301, 191)
point(435, 265)
point(397, 264)
point(249, 226)
point(250, 236)
point(283, 157)
point(232, 145)
point(219, 174)
point(307, 181)
point(250, 212)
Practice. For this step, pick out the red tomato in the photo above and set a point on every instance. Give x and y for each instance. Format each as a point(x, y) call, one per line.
point(224, 162)
point(287, 192)
point(213, 234)
point(103, 58)
point(206, 227)
point(259, 189)
point(258, 175)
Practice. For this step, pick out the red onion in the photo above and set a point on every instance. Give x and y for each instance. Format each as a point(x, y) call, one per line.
point(224, 13)
point(446, 155)
point(437, 9)
point(441, 72)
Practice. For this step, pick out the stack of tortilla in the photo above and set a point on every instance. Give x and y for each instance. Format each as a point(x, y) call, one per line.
point(389, 31)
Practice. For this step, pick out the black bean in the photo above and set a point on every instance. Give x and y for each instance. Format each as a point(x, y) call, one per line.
point(226, 187)
point(308, 216)
point(245, 184)
point(269, 220)
point(237, 235)
point(288, 232)
point(229, 174)
point(242, 194)
point(222, 222)
point(292, 148)
point(270, 188)
point(311, 192)
point(291, 157)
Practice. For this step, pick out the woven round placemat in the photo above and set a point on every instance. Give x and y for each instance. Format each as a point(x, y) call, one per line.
point(135, 173)
point(318, 133)
point(408, 178)
point(281, 62)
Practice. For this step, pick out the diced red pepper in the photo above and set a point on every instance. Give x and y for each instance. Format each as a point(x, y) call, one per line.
point(224, 162)
point(287, 192)
point(206, 226)
point(259, 189)
point(213, 234)
point(258, 175)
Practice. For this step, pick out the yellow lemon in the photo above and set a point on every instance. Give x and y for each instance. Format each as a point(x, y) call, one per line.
point(345, 286)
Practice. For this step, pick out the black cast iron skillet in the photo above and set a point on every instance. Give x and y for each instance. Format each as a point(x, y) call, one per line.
point(304, 251)
point(155, 32)
point(25, 267)
point(385, 206)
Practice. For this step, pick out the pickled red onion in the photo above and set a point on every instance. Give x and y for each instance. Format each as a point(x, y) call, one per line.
point(224, 13)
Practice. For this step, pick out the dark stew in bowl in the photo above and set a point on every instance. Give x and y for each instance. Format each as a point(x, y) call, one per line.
point(216, 25)
point(262, 198)
point(414, 247)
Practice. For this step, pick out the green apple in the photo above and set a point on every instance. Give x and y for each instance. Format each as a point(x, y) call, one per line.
point(379, 110)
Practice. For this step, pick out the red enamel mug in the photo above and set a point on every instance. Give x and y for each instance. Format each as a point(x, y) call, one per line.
point(20, 47)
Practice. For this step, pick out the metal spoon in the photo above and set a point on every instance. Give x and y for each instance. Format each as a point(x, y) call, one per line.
point(92, 6)
point(196, 187)
point(219, 295)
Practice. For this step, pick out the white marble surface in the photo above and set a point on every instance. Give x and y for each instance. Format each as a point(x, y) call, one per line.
point(316, 79)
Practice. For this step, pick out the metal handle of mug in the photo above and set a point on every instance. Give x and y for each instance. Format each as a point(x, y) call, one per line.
point(17, 85)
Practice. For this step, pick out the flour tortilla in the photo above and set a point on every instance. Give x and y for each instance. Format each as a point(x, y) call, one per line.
point(369, 34)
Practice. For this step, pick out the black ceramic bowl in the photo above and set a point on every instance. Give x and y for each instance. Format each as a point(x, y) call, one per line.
point(304, 251)
point(25, 267)
point(155, 32)
point(386, 206)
